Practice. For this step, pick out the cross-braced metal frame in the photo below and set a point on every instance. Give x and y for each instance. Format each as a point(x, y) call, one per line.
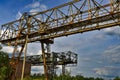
point(56, 58)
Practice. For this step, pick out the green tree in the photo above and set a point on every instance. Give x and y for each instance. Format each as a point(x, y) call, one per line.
point(99, 79)
point(5, 68)
point(117, 78)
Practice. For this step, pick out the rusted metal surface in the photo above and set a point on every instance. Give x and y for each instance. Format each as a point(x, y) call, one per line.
point(18, 72)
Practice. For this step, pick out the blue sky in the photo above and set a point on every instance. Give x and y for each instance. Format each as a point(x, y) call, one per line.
point(10, 8)
point(98, 51)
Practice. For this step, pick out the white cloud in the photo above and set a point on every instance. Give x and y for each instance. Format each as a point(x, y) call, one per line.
point(32, 53)
point(39, 52)
point(34, 49)
point(59, 66)
point(100, 62)
point(43, 7)
point(37, 69)
point(36, 7)
point(8, 49)
point(112, 54)
point(112, 31)
point(33, 8)
point(33, 5)
point(86, 59)
point(108, 71)
point(108, 30)
point(19, 14)
point(101, 71)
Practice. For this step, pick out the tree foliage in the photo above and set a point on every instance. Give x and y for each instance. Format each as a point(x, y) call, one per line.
point(117, 78)
point(66, 77)
point(5, 69)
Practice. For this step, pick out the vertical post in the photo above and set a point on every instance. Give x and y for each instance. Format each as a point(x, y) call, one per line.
point(111, 6)
point(13, 64)
point(20, 53)
point(28, 21)
point(53, 65)
point(23, 67)
point(44, 60)
point(48, 47)
point(80, 16)
point(56, 17)
point(63, 69)
point(50, 66)
point(89, 10)
point(17, 61)
point(15, 49)
point(117, 7)
point(71, 12)
point(97, 15)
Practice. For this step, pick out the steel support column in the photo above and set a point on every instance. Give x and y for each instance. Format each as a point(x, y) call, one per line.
point(44, 60)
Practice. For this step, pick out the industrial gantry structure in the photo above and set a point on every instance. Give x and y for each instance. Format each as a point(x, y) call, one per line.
point(59, 58)
point(62, 59)
point(74, 17)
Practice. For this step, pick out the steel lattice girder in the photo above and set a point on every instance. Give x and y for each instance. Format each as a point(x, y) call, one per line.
point(59, 58)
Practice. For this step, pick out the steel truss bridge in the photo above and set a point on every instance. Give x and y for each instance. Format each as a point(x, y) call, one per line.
point(74, 17)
